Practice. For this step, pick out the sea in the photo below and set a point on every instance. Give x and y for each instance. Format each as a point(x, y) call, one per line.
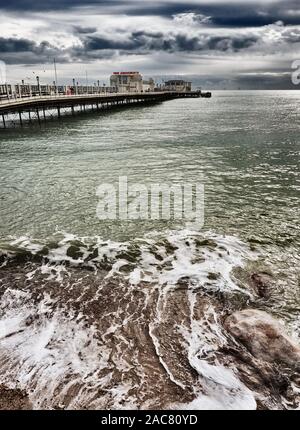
point(129, 314)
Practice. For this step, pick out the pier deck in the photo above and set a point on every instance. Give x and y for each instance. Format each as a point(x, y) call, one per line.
point(36, 107)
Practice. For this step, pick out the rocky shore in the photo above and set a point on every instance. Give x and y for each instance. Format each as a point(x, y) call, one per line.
point(129, 334)
point(13, 399)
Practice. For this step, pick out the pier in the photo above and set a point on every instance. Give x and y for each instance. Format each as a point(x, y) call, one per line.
point(17, 111)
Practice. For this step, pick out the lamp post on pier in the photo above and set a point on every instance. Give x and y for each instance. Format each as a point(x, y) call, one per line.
point(38, 85)
point(55, 76)
point(74, 86)
point(22, 88)
point(7, 90)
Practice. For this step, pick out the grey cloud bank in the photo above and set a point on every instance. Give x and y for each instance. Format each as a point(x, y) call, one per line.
point(233, 44)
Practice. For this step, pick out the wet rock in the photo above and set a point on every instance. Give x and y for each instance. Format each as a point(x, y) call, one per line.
point(206, 243)
point(262, 284)
point(13, 399)
point(184, 281)
point(264, 337)
point(74, 252)
point(213, 276)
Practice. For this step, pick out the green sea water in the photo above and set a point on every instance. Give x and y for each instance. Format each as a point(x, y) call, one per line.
point(130, 314)
point(243, 146)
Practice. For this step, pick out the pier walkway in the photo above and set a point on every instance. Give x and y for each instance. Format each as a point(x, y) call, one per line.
point(26, 109)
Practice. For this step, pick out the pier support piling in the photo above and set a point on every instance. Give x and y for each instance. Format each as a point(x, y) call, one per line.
point(38, 116)
point(43, 109)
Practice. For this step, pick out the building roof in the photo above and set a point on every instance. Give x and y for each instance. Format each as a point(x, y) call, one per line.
point(176, 82)
point(126, 73)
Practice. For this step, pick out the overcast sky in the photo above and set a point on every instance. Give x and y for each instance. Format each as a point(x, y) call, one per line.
point(222, 44)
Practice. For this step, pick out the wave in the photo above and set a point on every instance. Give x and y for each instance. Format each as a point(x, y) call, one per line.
point(88, 323)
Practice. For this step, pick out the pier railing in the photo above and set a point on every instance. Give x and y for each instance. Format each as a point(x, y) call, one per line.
point(15, 100)
point(28, 90)
point(21, 110)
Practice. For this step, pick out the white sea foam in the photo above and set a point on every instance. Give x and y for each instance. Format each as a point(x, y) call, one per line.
point(53, 354)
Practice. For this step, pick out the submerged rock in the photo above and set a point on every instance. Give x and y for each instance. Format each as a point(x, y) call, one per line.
point(262, 284)
point(264, 337)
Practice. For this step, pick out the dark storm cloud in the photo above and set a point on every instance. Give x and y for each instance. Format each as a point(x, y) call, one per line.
point(15, 45)
point(239, 14)
point(15, 51)
point(147, 41)
point(32, 5)
point(263, 81)
point(20, 51)
point(258, 80)
point(78, 29)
